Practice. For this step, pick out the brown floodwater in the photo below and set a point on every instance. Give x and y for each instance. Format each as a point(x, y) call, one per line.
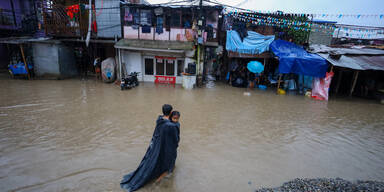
point(74, 135)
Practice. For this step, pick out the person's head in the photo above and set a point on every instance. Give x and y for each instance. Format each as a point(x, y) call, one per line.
point(167, 109)
point(175, 116)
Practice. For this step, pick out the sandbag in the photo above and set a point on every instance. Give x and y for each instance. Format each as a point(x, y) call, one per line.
point(108, 70)
point(320, 87)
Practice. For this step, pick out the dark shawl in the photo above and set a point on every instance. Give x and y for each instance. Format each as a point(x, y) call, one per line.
point(159, 158)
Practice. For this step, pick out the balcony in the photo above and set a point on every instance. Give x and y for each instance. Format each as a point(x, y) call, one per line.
point(66, 21)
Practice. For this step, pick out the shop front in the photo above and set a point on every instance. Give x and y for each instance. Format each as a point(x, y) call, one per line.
point(163, 69)
point(156, 61)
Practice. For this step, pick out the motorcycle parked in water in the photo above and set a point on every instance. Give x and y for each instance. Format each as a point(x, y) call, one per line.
point(130, 81)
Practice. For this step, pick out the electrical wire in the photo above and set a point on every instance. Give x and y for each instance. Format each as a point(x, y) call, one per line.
point(337, 15)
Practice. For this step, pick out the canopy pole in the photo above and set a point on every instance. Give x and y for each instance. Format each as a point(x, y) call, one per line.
point(120, 69)
point(265, 63)
point(265, 66)
point(339, 81)
point(278, 84)
point(303, 83)
point(355, 75)
point(25, 62)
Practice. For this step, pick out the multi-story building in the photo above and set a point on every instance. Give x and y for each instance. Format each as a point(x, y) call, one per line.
point(160, 41)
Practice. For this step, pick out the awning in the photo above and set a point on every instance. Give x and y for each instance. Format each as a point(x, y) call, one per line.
point(154, 45)
point(352, 58)
point(345, 51)
point(357, 62)
point(294, 59)
point(21, 40)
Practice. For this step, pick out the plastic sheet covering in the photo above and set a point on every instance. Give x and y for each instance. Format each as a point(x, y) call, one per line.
point(294, 59)
point(321, 87)
point(108, 70)
point(254, 43)
point(19, 68)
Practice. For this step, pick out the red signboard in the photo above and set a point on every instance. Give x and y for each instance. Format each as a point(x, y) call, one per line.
point(165, 79)
point(168, 58)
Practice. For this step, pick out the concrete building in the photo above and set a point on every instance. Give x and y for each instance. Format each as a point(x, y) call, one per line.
point(160, 42)
point(320, 35)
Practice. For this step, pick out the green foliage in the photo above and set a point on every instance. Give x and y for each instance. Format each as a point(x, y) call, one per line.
point(297, 36)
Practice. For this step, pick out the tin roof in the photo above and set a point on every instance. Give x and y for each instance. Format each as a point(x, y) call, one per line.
point(137, 44)
point(352, 58)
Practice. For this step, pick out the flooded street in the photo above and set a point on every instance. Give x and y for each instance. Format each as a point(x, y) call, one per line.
point(74, 135)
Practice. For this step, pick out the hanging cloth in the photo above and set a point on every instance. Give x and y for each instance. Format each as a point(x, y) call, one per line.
point(159, 25)
point(146, 29)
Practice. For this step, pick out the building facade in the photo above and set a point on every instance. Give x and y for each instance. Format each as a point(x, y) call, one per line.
point(161, 42)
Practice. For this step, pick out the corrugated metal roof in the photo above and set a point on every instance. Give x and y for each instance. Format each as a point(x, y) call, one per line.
point(345, 51)
point(21, 40)
point(357, 62)
point(155, 45)
point(352, 58)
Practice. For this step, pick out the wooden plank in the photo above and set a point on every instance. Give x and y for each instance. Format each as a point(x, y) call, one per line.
point(25, 62)
point(278, 84)
point(339, 81)
point(356, 74)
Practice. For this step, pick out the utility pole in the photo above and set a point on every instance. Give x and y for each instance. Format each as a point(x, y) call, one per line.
point(199, 46)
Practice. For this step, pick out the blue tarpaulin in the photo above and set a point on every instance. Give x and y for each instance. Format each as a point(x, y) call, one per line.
point(254, 43)
point(294, 59)
point(19, 68)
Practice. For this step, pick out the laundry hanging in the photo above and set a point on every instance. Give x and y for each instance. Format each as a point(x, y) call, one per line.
point(159, 25)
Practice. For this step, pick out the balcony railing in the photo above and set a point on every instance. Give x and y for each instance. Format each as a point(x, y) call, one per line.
point(59, 20)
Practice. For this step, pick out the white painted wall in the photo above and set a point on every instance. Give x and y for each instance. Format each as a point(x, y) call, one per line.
point(132, 63)
point(188, 60)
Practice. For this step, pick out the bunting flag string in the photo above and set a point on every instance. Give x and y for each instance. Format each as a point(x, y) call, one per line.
point(314, 15)
point(282, 23)
point(277, 20)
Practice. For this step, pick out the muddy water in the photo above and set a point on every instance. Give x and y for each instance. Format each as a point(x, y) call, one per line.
point(74, 135)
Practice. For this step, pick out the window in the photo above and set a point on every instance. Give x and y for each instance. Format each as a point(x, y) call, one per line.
point(167, 22)
point(160, 66)
point(145, 17)
point(180, 67)
point(148, 66)
point(187, 19)
point(170, 68)
point(131, 16)
point(176, 19)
